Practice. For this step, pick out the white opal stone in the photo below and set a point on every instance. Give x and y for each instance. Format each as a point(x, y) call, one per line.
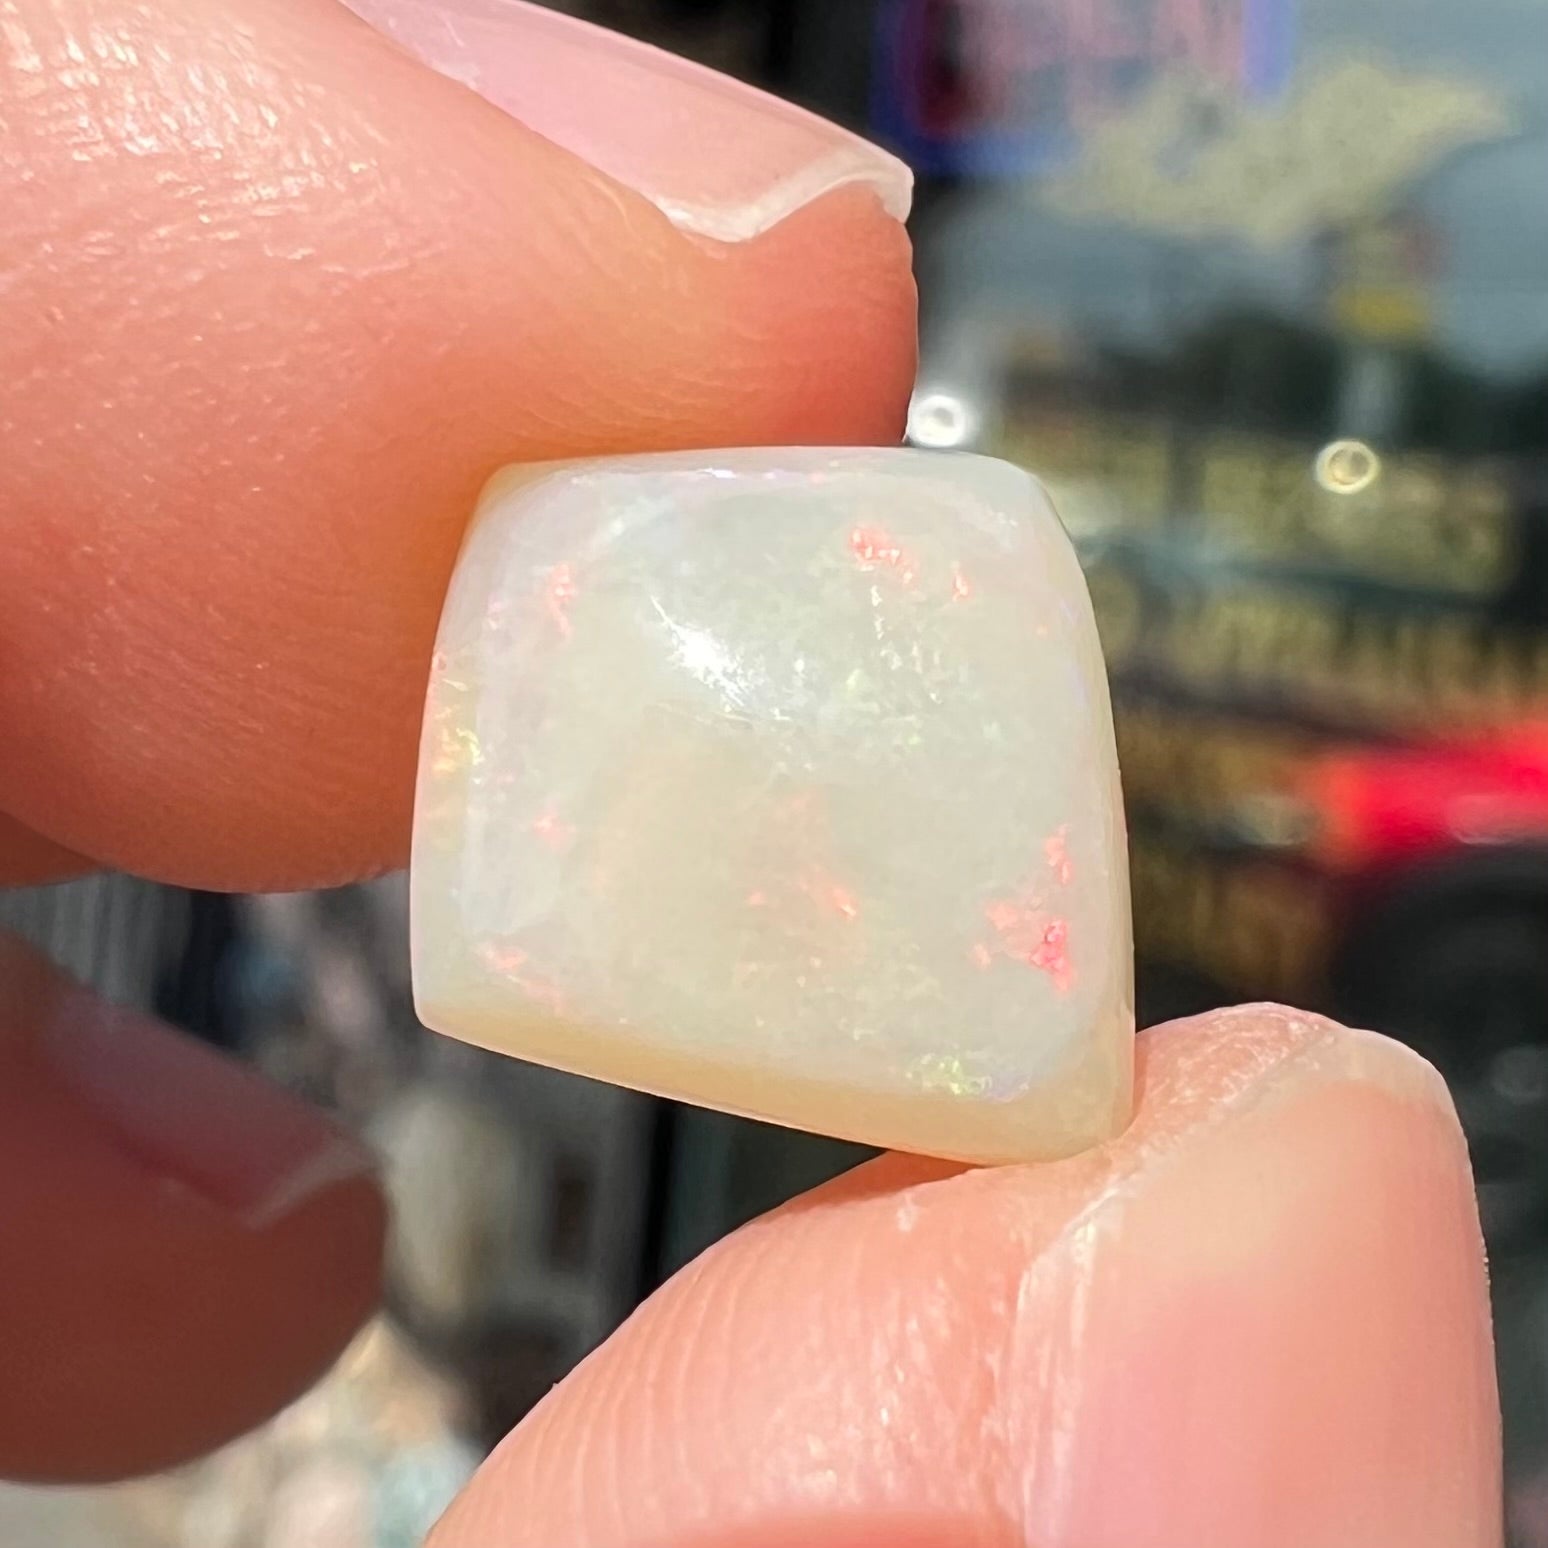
point(783, 782)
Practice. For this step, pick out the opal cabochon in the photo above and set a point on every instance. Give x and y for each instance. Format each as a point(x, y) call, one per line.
point(783, 782)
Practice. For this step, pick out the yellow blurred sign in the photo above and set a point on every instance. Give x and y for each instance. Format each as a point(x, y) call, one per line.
point(1395, 313)
point(1192, 160)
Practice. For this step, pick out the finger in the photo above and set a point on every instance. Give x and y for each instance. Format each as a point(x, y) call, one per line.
point(182, 1248)
point(1259, 1317)
point(27, 858)
point(278, 298)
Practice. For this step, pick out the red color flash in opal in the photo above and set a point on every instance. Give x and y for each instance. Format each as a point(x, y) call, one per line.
point(1056, 852)
point(512, 962)
point(559, 594)
point(553, 831)
point(1031, 935)
point(876, 546)
point(1051, 955)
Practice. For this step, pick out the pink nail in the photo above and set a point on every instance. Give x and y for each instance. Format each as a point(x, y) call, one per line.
point(719, 158)
point(192, 1117)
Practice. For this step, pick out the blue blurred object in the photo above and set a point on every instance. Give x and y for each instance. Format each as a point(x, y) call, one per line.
point(998, 89)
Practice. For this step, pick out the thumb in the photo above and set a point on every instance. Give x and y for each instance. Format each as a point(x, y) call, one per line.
point(279, 298)
point(1258, 1318)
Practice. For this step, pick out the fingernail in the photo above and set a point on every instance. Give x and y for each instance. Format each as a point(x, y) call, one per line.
point(718, 157)
point(783, 781)
point(195, 1118)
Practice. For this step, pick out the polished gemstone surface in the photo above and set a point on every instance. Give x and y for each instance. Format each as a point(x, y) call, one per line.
point(783, 781)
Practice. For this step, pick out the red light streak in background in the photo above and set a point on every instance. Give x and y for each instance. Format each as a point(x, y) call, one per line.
point(961, 586)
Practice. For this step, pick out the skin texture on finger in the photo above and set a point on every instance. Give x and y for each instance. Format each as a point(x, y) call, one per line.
point(183, 1249)
point(277, 299)
point(1258, 1318)
point(27, 858)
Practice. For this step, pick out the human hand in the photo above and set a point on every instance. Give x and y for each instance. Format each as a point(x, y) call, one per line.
point(276, 299)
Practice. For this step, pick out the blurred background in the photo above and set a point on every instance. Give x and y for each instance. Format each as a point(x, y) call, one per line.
point(1260, 287)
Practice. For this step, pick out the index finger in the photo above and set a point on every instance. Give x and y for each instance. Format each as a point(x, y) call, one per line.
point(278, 299)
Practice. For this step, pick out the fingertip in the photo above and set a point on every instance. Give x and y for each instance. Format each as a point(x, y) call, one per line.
point(1274, 1275)
point(185, 1248)
point(239, 488)
point(27, 859)
point(836, 288)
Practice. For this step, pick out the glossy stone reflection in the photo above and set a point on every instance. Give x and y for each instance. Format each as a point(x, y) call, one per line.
point(783, 782)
